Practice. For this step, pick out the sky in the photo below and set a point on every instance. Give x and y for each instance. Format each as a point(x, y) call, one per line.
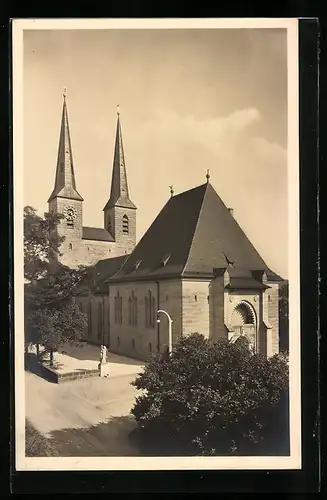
point(190, 100)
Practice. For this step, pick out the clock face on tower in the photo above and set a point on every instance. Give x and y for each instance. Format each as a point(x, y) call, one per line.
point(70, 213)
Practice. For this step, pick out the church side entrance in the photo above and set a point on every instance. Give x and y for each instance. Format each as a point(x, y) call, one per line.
point(243, 323)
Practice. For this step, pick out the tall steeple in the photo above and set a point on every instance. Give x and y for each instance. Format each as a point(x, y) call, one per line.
point(65, 184)
point(119, 195)
point(120, 211)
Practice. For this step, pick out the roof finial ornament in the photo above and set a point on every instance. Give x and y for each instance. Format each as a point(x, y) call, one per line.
point(171, 191)
point(118, 111)
point(208, 176)
point(64, 92)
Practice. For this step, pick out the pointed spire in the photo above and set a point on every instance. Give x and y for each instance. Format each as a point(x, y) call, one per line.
point(65, 185)
point(119, 195)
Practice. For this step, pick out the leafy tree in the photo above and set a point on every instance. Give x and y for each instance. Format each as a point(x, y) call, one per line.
point(51, 314)
point(41, 243)
point(56, 327)
point(212, 398)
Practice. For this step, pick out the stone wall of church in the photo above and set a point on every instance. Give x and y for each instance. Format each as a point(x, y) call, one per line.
point(141, 340)
point(77, 251)
point(96, 309)
point(273, 317)
point(195, 307)
point(170, 292)
point(86, 252)
point(264, 304)
point(216, 309)
point(125, 242)
point(74, 233)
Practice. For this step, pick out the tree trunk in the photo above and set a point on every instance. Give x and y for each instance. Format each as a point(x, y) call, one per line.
point(51, 358)
point(38, 352)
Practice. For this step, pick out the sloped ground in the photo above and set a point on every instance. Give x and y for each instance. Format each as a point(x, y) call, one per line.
point(86, 417)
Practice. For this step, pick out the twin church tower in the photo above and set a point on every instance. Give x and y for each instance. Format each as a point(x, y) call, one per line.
point(86, 245)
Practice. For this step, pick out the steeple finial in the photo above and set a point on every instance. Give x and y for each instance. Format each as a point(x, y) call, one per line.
point(171, 191)
point(208, 176)
point(118, 110)
point(64, 92)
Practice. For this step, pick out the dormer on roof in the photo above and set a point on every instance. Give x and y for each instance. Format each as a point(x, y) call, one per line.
point(165, 259)
point(137, 265)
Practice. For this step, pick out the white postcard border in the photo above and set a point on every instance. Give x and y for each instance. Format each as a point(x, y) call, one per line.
point(159, 463)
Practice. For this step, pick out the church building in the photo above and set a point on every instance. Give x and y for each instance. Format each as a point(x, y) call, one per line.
point(194, 262)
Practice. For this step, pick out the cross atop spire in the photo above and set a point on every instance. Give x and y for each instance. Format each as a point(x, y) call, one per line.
point(65, 185)
point(119, 195)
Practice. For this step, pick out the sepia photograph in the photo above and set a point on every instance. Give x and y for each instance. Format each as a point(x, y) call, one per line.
point(156, 243)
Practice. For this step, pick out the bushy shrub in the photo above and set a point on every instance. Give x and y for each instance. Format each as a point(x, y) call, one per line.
point(213, 398)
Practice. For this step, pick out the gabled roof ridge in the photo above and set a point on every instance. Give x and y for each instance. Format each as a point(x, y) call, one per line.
point(188, 190)
point(196, 226)
point(127, 256)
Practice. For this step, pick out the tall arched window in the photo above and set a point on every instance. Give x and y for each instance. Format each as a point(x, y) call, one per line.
point(100, 321)
point(150, 310)
point(89, 321)
point(135, 310)
point(146, 307)
point(70, 246)
point(109, 225)
point(118, 309)
point(132, 309)
point(125, 224)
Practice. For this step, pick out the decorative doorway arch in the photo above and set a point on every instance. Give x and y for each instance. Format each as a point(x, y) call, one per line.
point(244, 324)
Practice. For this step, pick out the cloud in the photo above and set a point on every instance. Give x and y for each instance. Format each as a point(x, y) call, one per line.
point(272, 150)
point(248, 171)
point(167, 126)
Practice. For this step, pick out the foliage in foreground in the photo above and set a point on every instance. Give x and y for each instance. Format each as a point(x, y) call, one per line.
point(36, 445)
point(55, 327)
point(52, 317)
point(213, 398)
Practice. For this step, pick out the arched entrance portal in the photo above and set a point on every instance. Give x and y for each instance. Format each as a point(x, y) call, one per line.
point(243, 322)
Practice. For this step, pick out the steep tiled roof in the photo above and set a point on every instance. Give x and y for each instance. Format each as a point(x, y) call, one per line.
point(170, 234)
point(246, 284)
point(194, 233)
point(100, 272)
point(97, 234)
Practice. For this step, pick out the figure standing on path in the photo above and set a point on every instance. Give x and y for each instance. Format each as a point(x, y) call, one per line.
point(103, 354)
